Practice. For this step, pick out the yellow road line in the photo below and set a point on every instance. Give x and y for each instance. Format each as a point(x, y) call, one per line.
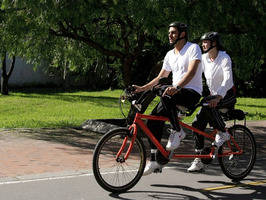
point(235, 185)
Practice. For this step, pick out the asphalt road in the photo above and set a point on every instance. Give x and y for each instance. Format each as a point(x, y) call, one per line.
point(173, 183)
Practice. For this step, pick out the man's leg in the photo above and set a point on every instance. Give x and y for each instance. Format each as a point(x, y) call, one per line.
point(156, 126)
point(170, 105)
point(157, 160)
point(185, 97)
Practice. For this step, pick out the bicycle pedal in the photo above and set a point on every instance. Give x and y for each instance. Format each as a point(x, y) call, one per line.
point(215, 155)
point(198, 171)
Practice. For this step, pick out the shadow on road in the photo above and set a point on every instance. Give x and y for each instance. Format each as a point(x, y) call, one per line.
point(257, 192)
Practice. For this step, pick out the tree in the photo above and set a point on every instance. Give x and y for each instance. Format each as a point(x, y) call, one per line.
point(5, 75)
point(79, 31)
point(114, 28)
point(4, 43)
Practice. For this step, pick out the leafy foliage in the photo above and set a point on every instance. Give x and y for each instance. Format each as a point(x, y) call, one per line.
point(77, 32)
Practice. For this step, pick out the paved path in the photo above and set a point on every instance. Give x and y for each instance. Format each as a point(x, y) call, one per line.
point(48, 152)
point(44, 151)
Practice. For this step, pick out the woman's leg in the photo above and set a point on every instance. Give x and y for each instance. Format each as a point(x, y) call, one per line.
point(200, 122)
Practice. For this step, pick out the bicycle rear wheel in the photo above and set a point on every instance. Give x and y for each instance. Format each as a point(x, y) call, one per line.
point(117, 174)
point(237, 167)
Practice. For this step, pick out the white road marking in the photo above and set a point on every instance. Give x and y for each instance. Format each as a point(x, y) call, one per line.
point(44, 179)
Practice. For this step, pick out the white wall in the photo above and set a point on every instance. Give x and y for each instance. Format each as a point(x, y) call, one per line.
point(25, 74)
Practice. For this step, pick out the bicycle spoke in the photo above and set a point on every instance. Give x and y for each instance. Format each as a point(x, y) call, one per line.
point(239, 166)
point(116, 174)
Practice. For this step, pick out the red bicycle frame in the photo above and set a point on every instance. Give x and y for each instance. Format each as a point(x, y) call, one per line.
point(138, 121)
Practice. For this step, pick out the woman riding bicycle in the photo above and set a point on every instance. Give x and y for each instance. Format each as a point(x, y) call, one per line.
point(184, 63)
point(216, 65)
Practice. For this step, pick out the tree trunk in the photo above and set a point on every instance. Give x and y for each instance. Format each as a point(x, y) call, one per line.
point(66, 83)
point(127, 65)
point(4, 86)
point(6, 75)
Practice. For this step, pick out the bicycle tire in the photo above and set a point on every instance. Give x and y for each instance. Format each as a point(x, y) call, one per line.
point(239, 166)
point(111, 174)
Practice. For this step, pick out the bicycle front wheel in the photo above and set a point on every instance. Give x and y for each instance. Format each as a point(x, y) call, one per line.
point(237, 167)
point(113, 173)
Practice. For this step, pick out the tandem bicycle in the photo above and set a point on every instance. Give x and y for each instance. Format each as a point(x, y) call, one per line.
point(119, 157)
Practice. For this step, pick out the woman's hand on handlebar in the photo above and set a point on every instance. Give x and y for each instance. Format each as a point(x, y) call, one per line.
point(170, 91)
point(213, 102)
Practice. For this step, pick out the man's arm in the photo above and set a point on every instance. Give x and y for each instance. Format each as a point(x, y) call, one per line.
point(192, 69)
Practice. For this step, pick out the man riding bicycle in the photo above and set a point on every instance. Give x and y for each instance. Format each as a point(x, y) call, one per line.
point(184, 63)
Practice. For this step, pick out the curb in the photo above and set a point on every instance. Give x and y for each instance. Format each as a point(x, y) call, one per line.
point(103, 126)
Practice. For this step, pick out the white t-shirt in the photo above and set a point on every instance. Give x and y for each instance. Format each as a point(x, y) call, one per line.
point(178, 64)
point(218, 73)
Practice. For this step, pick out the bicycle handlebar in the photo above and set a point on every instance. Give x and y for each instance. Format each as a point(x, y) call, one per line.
point(136, 98)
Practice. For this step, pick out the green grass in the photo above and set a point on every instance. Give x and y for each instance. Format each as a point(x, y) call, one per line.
point(50, 108)
point(56, 109)
point(256, 107)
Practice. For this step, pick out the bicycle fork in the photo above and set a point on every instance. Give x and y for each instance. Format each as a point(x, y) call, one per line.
point(123, 146)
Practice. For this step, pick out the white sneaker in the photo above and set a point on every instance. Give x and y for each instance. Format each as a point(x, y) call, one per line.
point(152, 166)
point(196, 165)
point(174, 139)
point(220, 138)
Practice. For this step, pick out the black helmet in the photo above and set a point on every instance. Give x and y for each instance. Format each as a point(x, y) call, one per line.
point(181, 27)
point(213, 37)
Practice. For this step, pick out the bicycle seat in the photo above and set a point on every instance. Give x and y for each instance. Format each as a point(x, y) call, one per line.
point(232, 114)
point(182, 108)
point(223, 110)
point(184, 111)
